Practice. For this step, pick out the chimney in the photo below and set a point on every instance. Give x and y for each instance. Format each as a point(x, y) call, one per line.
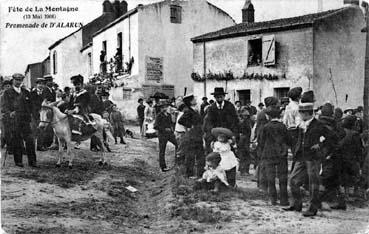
point(116, 5)
point(123, 7)
point(248, 12)
point(107, 7)
point(320, 5)
point(351, 2)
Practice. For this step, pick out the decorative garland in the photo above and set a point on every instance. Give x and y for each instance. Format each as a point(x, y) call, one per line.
point(228, 75)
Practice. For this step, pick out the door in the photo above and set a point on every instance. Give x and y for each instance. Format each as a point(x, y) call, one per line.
point(244, 96)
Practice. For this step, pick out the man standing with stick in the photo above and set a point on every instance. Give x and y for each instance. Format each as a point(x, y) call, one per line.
point(17, 107)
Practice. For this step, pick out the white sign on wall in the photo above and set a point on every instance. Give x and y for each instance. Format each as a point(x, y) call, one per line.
point(154, 68)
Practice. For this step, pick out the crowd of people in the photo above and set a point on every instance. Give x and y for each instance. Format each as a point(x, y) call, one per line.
point(288, 138)
point(20, 115)
point(291, 138)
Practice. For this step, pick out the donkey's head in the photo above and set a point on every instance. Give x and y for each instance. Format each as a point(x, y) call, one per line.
point(46, 115)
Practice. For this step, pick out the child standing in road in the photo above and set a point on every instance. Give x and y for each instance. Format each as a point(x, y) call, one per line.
point(274, 143)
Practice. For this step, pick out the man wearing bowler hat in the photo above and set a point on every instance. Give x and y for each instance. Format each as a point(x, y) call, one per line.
point(48, 92)
point(312, 135)
point(37, 98)
point(163, 125)
point(17, 108)
point(222, 113)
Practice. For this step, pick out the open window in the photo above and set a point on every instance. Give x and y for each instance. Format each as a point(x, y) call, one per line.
point(261, 51)
point(254, 52)
point(175, 14)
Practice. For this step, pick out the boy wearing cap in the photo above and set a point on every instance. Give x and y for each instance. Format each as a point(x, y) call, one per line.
point(244, 141)
point(17, 109)
point(273, 142)
point(80, 103)
point(311, 135)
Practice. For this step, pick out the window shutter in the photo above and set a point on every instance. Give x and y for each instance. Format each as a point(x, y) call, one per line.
point(269, 50)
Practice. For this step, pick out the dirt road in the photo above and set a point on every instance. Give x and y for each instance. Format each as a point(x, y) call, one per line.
point(94, 199)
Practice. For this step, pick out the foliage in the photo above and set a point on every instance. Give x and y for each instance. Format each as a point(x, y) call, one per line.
point(228, 75)
point(112, 74)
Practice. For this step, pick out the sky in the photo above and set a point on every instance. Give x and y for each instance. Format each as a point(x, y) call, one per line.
point(20, 47)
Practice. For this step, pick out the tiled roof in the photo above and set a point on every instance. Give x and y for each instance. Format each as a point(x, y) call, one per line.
point(266, 26)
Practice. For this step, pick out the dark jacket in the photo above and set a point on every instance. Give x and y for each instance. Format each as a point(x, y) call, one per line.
point(192, 120)
point(82, 100)
point(315, 131)
point(36, 100)
point(225, 117)
point(107, 104)
point(350, 146)
point(49, 94)
point(20, 103)
point(96, 104)
point(162, 123)
point(141, 112)
point(274, 141)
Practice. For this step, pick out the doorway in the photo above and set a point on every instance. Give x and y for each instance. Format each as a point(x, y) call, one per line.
point(244, 96)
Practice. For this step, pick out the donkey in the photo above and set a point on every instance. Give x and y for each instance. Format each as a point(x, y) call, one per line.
point(51, 115)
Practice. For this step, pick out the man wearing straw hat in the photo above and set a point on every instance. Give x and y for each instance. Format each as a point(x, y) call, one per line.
point(311, 136)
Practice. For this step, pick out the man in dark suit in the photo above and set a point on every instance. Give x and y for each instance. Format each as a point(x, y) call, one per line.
point(312, 136)
point(163, 124)
point(220, 114)
point(48, 92)
point(17, 108)
point(37, 99)
point(261, 120)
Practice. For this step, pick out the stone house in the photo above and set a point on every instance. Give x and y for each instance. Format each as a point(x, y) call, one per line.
point(323, 52)
point(155, 39)
point(71, 55)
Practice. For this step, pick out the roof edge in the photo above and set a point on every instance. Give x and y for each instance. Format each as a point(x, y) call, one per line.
point(256, 31)
point(88, 45)
point(62, 39)
point(123, 17)
point(221, 10)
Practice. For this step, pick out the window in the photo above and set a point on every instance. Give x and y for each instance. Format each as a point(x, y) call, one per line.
point(89, 55)
point(281, 92)
point(127, 93)
point(261, 51)
point(104, 46)
point(175, 14)
point(55, 62)
point(244, 96)
point(119, 41)
point(254, 52)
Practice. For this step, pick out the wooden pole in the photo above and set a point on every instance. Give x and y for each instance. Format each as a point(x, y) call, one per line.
point(204, 50)
point(366, 80)
point(366, 71)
